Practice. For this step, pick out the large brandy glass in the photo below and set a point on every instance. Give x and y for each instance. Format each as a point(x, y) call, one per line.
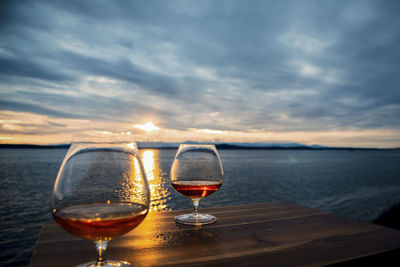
point(196, 173)
point(101, 192)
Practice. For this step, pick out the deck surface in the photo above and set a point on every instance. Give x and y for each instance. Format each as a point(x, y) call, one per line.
point(273, 234)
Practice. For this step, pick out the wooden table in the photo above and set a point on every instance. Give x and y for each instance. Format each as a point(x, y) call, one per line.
point(263, 234)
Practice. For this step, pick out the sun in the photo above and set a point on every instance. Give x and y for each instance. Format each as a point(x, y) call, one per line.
point(148, 127)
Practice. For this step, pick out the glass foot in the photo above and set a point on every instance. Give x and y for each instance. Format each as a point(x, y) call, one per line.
point(106, 263)
point(195, 219)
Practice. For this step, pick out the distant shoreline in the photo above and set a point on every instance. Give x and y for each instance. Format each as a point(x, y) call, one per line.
point(218, 146)
point(33, 146)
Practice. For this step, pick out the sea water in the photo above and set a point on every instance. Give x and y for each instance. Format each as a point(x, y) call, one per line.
point(359, 184)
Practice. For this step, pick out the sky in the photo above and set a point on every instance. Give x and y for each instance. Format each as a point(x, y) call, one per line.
point(310, 72)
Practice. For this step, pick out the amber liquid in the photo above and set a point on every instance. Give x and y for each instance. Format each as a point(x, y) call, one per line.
point(100, 221)
point(196, 189)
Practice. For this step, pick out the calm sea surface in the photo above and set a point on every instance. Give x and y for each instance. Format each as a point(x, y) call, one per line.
point(356, 184)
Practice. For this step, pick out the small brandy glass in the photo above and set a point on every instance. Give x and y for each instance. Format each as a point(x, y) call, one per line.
point(101, 192)
point(196, 172)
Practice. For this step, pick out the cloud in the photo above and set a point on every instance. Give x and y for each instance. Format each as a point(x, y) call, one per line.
point(31, 108)
point(226, 66)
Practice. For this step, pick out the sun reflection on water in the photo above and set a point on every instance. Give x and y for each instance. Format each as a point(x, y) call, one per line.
point(158, 189)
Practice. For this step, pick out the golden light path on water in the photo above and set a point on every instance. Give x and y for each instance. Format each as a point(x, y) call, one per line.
point(158, 186)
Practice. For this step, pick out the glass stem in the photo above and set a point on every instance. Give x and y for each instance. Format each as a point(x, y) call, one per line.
point(101, 246)
point(196, 206)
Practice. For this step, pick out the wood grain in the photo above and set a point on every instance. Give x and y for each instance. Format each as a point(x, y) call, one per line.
point(277, 234)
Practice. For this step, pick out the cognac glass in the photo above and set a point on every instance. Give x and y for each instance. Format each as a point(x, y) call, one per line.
point(101, 192)
point(196, 172)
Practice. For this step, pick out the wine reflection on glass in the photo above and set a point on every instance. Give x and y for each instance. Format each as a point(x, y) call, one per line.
point(196, 172)
point(101, 192)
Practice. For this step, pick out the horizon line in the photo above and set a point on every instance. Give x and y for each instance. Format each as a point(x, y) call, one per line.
point(221, 145)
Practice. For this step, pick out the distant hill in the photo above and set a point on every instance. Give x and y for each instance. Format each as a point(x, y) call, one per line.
point(34, 146)
point(260, 146)
point(248, 146)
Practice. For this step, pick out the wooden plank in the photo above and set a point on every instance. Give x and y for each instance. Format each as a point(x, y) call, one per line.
point(279, 234)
